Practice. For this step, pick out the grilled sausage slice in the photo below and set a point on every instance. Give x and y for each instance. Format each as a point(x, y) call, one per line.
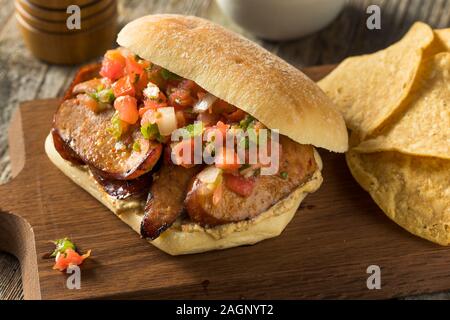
point(166, 197)
point(123, 189)
point(64, 150)
point(86, 133)
point(297, 164)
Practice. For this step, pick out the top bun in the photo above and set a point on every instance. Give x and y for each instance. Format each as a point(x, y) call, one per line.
point(241, 73)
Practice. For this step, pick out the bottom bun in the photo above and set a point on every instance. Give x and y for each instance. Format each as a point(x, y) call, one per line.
point(185, 237)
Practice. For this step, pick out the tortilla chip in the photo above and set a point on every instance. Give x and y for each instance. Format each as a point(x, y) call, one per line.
point(424, 128)
point(368, 89)
point(412, 191)
point(441, 43)
point(444, 37)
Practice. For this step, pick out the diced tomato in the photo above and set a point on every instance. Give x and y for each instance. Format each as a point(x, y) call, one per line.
point(141, 84)
point(238, 184)
point(181, 99)
point(127, 108)
point(113, 65)
point(235, 116)
point(133, 67)
point(144, 109)
point(150, 104)
point(69, 257)
point(227, 160)
point(160, 100)
point(123, 87)
point(89, 102)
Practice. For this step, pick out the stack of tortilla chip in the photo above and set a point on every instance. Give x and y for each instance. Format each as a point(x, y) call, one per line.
point(396, 102)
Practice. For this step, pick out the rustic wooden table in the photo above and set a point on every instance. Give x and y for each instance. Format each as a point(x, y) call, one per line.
point(22, 77)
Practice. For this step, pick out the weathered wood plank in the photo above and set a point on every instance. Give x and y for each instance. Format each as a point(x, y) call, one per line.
point(22, 77)
point(10, 283)
point(5, 13)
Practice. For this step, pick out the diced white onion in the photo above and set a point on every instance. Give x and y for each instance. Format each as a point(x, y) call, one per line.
point(166, 121)
point(152, 91)
point(205, 103)
point(209, 175)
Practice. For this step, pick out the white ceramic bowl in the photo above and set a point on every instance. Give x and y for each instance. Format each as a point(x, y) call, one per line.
point(281, 19)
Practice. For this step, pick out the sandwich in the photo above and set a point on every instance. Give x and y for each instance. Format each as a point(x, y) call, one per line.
point(195, 137)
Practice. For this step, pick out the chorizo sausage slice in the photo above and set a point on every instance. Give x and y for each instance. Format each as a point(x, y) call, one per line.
point(166, 198)
point(86, 133)
point(123, 189)
point(297, 165)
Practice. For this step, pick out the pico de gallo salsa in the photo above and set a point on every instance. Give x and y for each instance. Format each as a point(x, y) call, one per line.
point(159, 102)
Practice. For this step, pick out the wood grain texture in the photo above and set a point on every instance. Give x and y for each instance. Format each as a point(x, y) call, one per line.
point(22, 77)
point(10, 280)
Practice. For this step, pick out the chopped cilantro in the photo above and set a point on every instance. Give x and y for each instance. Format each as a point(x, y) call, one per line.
point(150, 131)
point(103, 95)
point(245, 123)
point(94, 96)
point(137, 146)
point(284, 175)
point(106, 96)
point(62, 245)
point(195, 129)
point(116, 128)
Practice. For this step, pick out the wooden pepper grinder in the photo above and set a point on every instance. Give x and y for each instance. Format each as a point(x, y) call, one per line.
point(67, 31)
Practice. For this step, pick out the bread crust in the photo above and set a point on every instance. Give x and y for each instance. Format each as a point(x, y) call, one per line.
point(241, 73)
point(187, 237)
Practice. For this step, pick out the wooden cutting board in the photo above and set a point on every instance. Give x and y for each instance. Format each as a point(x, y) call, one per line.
point(323, 253)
